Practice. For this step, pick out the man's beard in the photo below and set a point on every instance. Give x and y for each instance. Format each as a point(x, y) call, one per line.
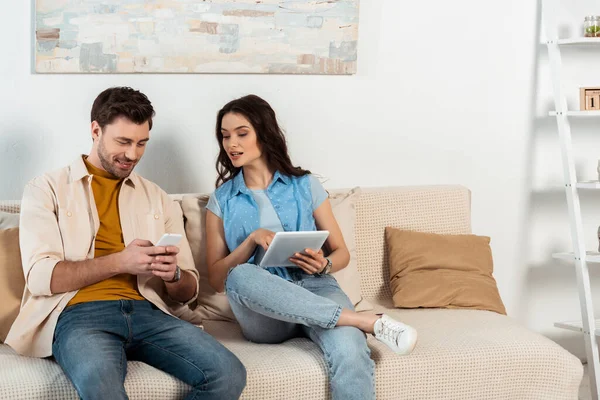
point(109, 166)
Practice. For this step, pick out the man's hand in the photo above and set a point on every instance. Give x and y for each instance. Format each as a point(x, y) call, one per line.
point(141, 257)
point(165, 264)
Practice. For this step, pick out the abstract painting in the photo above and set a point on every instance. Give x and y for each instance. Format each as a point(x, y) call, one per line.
point(197, 36)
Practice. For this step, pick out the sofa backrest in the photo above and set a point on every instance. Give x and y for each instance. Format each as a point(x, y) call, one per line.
point(10, 206)
point(434, 209)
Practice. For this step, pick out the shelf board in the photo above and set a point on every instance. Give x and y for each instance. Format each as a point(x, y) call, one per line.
point(576, 326)
point(580, 41)
point(591, 256)
point(588, 185)
point(577, 113)
point(560, 189)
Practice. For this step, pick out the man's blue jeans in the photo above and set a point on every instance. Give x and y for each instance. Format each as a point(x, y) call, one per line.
point(270, 309)
point(93, 341)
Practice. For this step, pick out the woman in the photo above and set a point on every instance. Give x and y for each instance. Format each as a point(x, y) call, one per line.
point(260, 192)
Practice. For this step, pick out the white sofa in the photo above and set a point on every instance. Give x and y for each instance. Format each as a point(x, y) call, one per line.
point(461, 354)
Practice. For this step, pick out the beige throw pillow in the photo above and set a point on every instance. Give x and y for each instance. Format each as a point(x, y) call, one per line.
point(12, 282)
point(210, 305)
point(343, 206)
point(442, 271)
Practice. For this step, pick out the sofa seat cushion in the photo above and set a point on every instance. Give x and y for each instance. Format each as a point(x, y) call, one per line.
point(461, 354)
point(294, 369)
point(25, 378)
point(473, 354)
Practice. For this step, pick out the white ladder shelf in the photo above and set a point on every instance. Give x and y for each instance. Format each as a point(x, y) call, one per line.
point(588, 326)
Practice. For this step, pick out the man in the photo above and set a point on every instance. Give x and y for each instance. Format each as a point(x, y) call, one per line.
point(98, 291)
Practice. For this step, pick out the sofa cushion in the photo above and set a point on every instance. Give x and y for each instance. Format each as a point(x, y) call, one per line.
point(209, 305)
point(460, 354)
point(473, 354)
point(437, 209)
point(26, 378)
point(10, 206)
point(294, 369)
point(12, 282)
point(451, 271)
point(343, 207)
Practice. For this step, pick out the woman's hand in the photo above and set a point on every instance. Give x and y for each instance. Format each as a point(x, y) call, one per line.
point(312, 262)
point(263, 237)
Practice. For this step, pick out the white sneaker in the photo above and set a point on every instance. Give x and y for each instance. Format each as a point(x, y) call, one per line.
point(400, 337)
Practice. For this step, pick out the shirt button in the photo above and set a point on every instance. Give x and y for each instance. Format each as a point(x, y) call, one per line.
point(59, 308)
point(155, 216)
point(69, 213)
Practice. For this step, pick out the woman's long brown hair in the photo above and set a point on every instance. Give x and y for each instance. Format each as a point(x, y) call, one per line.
point(269, 135)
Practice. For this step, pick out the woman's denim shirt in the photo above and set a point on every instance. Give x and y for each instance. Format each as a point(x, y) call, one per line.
point(291, 198)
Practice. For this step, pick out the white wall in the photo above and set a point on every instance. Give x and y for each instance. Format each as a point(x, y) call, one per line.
point(446, 93)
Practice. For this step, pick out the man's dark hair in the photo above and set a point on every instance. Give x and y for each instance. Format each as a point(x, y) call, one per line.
point(122, 102)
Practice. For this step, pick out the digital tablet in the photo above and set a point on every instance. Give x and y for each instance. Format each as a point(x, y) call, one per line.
point(286, 244)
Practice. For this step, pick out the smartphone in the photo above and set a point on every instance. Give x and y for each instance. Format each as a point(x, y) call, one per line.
point(169, 239)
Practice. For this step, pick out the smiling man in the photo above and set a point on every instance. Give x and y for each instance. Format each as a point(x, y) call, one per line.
point(98, 292)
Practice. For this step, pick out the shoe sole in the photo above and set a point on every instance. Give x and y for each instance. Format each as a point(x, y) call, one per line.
point(412, 347)
point(401, 352)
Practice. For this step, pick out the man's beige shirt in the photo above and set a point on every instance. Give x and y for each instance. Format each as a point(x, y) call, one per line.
point(59, 221)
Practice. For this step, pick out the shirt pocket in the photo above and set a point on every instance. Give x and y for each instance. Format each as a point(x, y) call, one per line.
point(76, 231)
point(151, 226)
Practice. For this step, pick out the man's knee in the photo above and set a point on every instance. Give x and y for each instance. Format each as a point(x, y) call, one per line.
point(237, 381)
point(228, 378)
point(93, 381)
point(93, 366)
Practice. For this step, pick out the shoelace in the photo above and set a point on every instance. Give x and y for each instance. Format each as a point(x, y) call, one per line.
point(391, 332)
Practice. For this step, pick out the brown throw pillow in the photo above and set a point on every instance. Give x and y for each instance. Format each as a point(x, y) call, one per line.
point(12, 282)
point(442, 271)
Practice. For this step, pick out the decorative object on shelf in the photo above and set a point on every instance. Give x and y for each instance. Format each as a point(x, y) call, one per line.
point(591, 26)
point(197, 36)
point(589, 98)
